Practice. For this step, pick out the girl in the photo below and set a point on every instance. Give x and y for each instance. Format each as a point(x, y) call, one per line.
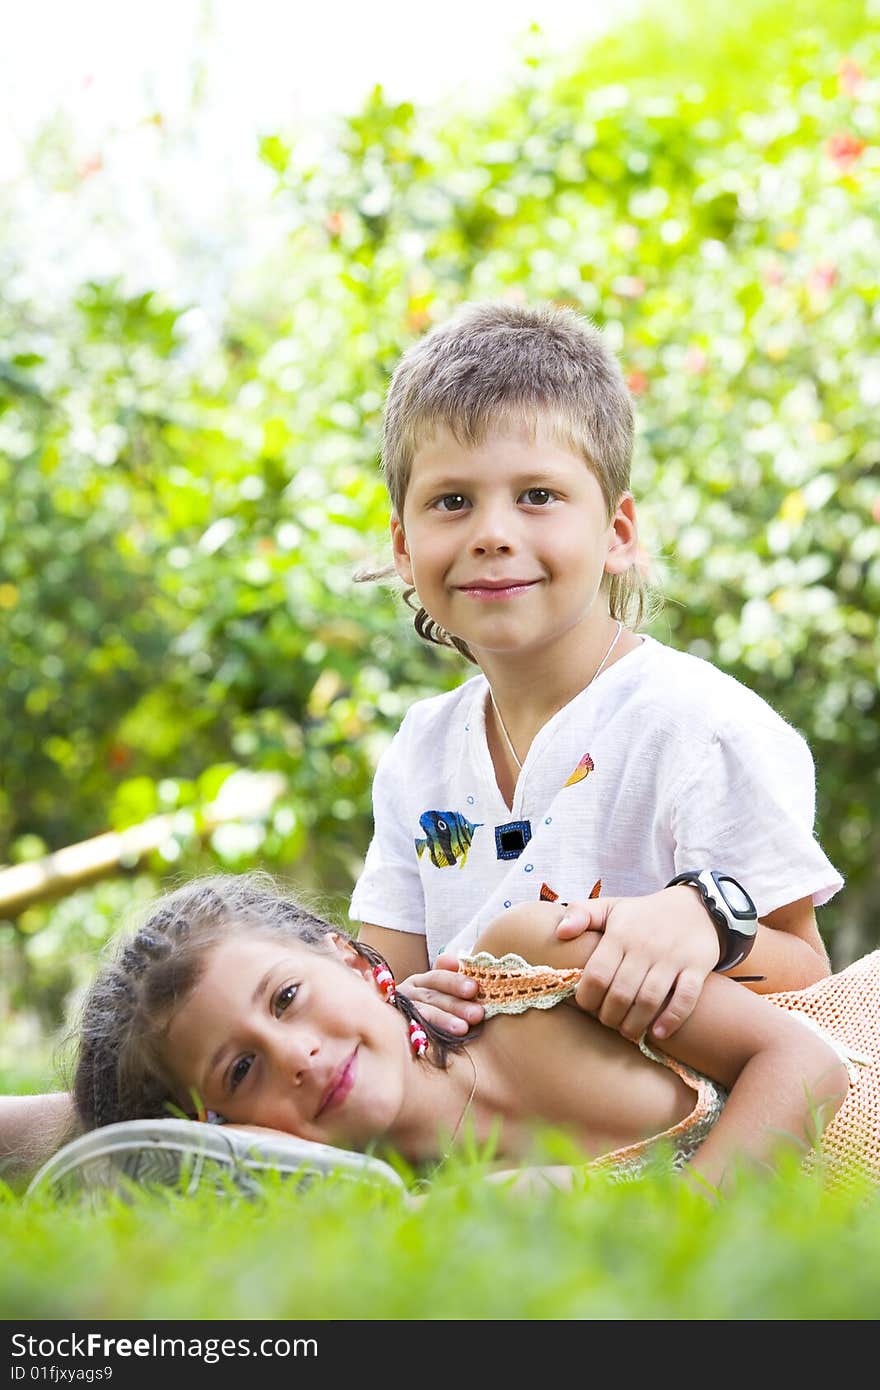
point(232, 999)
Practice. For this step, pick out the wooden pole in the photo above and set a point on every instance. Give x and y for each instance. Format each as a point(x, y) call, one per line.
point(243, 796)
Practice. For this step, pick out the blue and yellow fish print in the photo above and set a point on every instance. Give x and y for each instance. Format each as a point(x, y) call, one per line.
point(448, 836)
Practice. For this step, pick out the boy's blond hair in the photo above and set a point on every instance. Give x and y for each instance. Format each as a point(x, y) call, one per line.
point(502, 364)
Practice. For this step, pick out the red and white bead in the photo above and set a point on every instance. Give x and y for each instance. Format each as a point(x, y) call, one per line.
point(385, 980)
point(418, 1038)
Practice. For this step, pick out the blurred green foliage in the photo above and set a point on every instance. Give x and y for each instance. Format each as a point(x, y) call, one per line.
point(180, 519)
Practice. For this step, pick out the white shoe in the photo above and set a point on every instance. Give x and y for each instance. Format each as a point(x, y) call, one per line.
point(185, 1154)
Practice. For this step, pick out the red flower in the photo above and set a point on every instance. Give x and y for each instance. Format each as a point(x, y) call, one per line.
point(629, 286)
point(334, 222)
point(118, 755)
point(844, 148)
point(850, 77)
point(637, 383)
point(823, 277)
point(92, 165)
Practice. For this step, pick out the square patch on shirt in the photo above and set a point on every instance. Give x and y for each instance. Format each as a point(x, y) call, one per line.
point(511, 840)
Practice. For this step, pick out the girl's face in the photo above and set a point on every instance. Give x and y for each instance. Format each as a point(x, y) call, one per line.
point(292, 1037)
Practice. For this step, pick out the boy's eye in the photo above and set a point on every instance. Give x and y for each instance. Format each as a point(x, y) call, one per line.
point(284, 998)
point(452, 502)
point(538, 496)
point(238, 1071)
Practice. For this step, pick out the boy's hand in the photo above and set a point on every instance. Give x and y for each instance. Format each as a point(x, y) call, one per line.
point(444, 997)
point(650, 963)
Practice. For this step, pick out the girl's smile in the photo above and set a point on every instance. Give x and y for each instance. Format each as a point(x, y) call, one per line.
point(340, 1087)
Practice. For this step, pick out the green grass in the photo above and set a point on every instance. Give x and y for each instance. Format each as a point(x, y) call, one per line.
point(781, 1249)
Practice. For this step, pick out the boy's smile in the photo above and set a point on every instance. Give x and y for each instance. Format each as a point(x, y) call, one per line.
point(507, 542)
point(492, 590)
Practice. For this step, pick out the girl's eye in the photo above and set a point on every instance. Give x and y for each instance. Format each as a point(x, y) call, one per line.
point(452, 502)
point(284, 998)
point(538, 496)
point(238, 1071)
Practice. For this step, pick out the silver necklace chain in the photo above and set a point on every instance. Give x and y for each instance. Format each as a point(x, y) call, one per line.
point(503, 727)
point(460, 1121)
point(469, 1102)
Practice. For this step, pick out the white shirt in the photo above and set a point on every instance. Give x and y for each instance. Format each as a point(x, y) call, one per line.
point(676, 766)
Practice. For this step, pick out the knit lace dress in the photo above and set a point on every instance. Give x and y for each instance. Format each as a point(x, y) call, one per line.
point(843, 1008)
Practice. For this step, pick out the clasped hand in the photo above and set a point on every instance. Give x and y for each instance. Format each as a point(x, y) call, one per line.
point(646, 960)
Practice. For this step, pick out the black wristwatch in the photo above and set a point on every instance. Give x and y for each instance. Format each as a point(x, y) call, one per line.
point(731, 909)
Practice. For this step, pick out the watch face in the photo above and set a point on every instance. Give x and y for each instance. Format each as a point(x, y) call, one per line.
point(737, 899)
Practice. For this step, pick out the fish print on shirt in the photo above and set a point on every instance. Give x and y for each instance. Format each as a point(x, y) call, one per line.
point(448, 836)
point(548, 896)
point(583, 769)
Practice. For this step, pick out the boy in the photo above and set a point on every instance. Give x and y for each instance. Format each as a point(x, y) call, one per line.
point(586, 764)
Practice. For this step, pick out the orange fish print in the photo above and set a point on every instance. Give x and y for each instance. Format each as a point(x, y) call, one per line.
point(548, 896)
point(583, 769)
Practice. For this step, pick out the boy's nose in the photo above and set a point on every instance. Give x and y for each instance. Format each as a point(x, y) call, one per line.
point(492, 532)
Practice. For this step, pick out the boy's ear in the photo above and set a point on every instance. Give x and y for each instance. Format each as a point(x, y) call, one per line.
point(623, 546)
point(400, 551)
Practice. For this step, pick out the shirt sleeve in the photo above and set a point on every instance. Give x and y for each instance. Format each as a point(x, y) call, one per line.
point(388, 892)
point(746, 805)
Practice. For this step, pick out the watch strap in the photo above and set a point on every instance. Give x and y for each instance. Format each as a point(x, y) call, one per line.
point(735, 939)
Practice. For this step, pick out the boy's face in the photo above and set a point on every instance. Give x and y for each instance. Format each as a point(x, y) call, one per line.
point(507, 543)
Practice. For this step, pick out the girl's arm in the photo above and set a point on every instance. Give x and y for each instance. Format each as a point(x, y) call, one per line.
point(32, 1128)
point(785, 1082)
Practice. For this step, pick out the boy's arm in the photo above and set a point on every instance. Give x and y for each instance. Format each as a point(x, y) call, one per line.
point(390, 884)
point(651, 959)
point(740, 796)
point(444, 997)
point(803, 958)
point(657, 951)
